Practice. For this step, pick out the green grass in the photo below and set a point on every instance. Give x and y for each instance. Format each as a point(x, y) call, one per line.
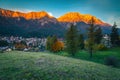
point(18, 65)
point(98, 56)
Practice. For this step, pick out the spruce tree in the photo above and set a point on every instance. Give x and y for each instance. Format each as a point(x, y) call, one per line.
point(114, 35)
point(80, 42)
point(54, 39)
point(98, 35)
point(91, 37)
point(50, 42)
point(71, 40)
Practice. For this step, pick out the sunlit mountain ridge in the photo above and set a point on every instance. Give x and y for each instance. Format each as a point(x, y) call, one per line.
point(29, 15)
point(42, 24)
point(68, 17)
point(77, 17)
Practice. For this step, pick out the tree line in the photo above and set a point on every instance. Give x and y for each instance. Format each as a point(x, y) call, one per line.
point(74, 41)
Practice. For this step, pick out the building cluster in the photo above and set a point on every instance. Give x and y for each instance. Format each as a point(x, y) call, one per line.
point(30, 42)
point(106, 41)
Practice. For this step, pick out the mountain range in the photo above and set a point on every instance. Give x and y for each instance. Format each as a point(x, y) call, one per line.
point(41, 24)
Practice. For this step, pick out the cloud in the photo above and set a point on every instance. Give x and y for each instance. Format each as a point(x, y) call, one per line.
point(50, 13)
point(28, 10)
point(22, 10)
point(25, 10)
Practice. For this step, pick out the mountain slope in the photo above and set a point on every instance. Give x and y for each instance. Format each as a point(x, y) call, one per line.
point(41, 24)
point(33, 24)
point(77, 17)
point(82, 22)
point(43, 66)
point(29, 15)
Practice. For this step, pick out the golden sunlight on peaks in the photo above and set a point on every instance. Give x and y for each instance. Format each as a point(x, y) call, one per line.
point(70, 17)
point(77, 17)
point(29, 15)
point(6, 13)
point(15, 14)
point(86, 17)
point(36, 15)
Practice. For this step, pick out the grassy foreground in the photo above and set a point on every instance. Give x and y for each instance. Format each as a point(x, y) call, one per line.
point(98, 56)
point(18, 65)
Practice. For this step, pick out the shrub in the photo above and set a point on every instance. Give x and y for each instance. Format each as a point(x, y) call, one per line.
point(20, 46)
point(111, 61)
point(57, 46)
point(101, 47)
point(86, 44)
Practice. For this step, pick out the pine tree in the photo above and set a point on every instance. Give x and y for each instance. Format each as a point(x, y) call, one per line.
point(98, 35)
point(54, 39)
point(80, 42)
point(71, 40)
point(50, 42)
point(114, 35)
point(91, 37)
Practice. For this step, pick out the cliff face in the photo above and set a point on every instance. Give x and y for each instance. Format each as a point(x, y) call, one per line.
point(68, 17)
point(41, 24)
point(30, 15)
point(77, 17)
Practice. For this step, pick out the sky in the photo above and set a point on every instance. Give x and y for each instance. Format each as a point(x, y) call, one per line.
point(106, 10)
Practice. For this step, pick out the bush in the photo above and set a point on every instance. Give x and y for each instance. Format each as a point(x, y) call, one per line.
point(20, 46)
point(111, 61)
point(101, 47)
point(57, 46)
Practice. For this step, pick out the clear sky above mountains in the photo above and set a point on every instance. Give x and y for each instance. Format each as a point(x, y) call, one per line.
point(106, 10)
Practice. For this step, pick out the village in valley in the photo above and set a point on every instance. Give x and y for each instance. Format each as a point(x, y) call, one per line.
point(35, 44)
point(24, 44)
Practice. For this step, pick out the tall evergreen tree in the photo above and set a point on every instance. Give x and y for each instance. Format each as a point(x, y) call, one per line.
point(80, 41)
point(98, 35)
point(114, 35)
point(54, 39)
point(91, 37)
point(50, 42)
point(71, 40)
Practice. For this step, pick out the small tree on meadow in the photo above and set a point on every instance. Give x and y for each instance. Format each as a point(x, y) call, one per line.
point(80, 42)
point(71, 40)
point(91, 37)
point(58, 46)
point(50, 42)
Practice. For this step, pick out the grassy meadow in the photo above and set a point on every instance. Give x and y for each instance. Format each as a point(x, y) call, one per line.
point(98, 56)
point(18, 65)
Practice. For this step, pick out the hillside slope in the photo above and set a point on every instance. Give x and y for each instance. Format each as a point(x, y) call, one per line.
point(41, 24)
point(77, 17)
point(43, 66)
point(32, 24)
